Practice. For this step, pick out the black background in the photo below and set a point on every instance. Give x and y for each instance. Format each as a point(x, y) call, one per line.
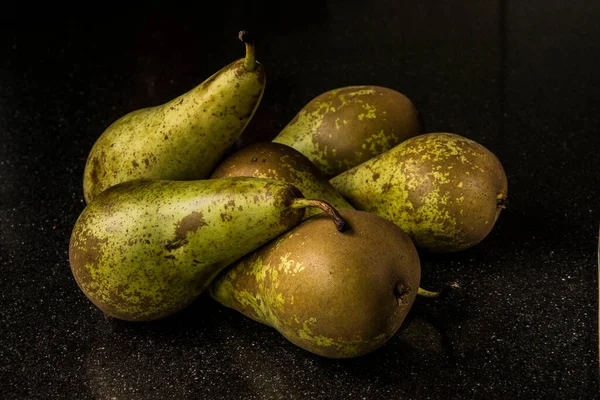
point(520, 77)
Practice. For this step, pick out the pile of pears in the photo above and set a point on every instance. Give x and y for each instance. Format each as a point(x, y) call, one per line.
point(316, 233)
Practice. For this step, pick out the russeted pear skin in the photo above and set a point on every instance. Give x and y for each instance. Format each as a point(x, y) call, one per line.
point(182, 139)
point(335, 294)
point(345, 127)
point(278, 161)
point(445, 190)
point(143, 250)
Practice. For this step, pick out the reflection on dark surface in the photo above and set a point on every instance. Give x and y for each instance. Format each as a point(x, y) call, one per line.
point(145, 361)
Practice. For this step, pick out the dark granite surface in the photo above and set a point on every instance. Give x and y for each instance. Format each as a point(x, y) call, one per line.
point(522, 78)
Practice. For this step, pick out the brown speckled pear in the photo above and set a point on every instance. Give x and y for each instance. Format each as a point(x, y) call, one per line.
point(345, 127)
point(335, 294)
point(183, 139)
point(445, 190)
point(278, 161)
point(145, 249)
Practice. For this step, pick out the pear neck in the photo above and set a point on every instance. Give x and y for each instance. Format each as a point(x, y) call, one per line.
point(250, 60)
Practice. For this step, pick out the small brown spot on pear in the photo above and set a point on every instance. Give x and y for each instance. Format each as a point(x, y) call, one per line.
point(190, 223)
point(226, 217)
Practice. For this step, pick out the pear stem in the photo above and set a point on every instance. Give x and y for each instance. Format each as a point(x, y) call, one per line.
point(435, 295)
point(427, 293)
point(327, 208)
point(250, 61)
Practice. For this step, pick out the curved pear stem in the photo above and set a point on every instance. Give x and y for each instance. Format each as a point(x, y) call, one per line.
point(327, 208)
point(436, 295)
point(250, 61)
point(427, 293)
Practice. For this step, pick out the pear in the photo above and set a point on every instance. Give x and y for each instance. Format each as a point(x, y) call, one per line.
point(345, 127)
point(145, 249)
point(445, 190)
point(182, 139)
point(335, 294)
point(278, 161)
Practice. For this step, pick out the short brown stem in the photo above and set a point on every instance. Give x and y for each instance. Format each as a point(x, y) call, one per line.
point(327, 208)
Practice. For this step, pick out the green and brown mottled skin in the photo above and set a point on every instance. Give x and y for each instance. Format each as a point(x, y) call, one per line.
point(278, 161)
point(338, 295)
point(445, 190)
point(183, 139)
point(144, 249)
point(345, 127)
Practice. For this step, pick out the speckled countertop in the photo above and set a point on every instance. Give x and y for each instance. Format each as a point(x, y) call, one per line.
point(522, 78)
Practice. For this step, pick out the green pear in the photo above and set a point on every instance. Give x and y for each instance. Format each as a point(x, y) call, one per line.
point(182, 139)
point(335, 294)
point(278, 161)
point(145, 249)
point(345, 127)
point(445, 190)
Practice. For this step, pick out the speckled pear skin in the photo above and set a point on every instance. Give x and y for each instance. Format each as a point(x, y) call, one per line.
point(445, 190)
point(183, 139)
point(345, 127)
point(143, 250)
point(278, 161)
point(338, 295)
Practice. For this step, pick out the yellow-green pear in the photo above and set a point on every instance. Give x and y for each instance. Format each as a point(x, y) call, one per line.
point(335, 294)
point(145, 249)
point(278, 161)
point(347, 126)
point(182, 139)
point(445, 190)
